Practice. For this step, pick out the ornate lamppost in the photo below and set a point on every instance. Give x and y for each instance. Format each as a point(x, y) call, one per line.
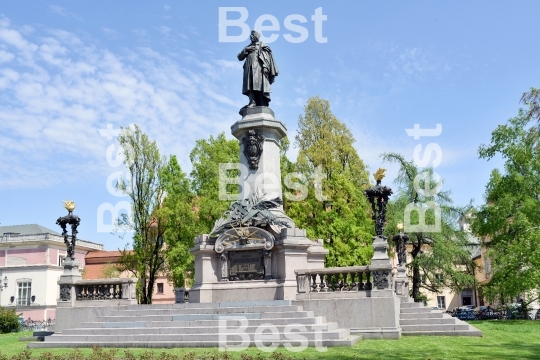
point(400, 240)
point(74, 221)
point(71, 267)
point(402, 281)
point(378, 198)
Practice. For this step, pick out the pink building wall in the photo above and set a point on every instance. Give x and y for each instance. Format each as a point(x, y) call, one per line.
point(80, 258)
point(32, 256)
point(2, 257)
point(53, 256)
point(38, 314)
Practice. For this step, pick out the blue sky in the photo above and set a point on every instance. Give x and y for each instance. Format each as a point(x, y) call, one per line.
point(69, 68)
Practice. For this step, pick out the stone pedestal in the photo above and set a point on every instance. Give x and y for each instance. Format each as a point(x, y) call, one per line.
point(402, 282)
point(67, 281)
point(266, 177)
point(292, 251)
point(259, 134)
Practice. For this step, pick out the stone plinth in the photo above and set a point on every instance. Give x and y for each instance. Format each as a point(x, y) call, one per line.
point(292, 251)
point(380, 251)
point(402, 283)
point(371, 317)
point(267, 177)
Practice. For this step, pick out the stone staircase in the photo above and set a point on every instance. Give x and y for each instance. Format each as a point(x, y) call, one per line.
point(417, 319)
point(198, 325)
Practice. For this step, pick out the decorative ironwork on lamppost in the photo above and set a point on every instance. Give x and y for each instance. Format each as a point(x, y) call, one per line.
point(72, 220)
point(378, 198)
point(400, 240)
point(401, 281)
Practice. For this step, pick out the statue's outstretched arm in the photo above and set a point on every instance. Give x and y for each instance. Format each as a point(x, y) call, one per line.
point(242, 55)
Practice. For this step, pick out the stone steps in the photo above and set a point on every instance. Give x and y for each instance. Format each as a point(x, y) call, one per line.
point(206, 323)
point(199, 325)
point(180, 317)
point(183, 330)
point(346, 341)
point(417, 319)
point(224, 310)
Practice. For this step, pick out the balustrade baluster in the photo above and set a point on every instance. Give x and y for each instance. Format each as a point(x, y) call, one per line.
point(339, 282)
point(353, 283)
point(360, 279)
point(314, 283)
point(368, 283)
point(350, 281)
point(322, 286)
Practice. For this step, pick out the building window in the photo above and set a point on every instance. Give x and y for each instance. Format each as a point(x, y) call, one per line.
point(160, 288)
point(61, 259)
point(487, 266)
point(24, 293)
point(439, 277)
point(441, 302)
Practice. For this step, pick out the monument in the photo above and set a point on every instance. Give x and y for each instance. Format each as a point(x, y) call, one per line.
point(252, 252)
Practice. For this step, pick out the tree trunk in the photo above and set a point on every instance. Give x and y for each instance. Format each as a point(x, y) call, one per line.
point(417, 246)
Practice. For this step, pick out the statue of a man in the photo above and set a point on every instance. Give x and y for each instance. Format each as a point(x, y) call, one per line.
point(260, 69)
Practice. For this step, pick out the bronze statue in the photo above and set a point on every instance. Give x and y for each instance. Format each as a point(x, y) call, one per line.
point(260, 70)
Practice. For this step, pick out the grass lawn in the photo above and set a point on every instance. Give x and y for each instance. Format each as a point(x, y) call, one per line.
point(518, 339)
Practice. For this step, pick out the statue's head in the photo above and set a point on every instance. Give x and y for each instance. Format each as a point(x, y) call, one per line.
point(255, 35)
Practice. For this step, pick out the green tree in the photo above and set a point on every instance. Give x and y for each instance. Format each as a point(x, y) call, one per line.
point(9, 321)
point(440, 259)
point(509, 221)
point(180, 219)
point(205, 159)
point(334, 174)
point(144, 187)
point(531, 98)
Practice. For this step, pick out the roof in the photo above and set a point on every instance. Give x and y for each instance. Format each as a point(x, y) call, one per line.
point(474, 248)
point(103, 254)
point(27, 229)
point(34, 232)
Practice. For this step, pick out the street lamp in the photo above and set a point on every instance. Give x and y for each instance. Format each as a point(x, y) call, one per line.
point(74, 221)
point(378, 198)
point(400, 240)
point(402, 282)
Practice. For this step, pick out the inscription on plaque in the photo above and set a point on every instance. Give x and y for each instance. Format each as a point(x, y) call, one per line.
point(246, 265)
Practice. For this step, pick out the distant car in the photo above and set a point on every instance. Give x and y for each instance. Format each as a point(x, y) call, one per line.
point(514, 311)
point(464, 312)
point(486, 313)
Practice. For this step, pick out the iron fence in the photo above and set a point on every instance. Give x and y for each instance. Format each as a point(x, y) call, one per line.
point(29, 324)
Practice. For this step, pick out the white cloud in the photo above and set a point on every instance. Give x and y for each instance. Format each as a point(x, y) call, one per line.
point(61, 90)
point(57, 9)
point(164, 29)
point(166, 7)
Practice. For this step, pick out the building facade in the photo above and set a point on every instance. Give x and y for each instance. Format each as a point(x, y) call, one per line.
point(31, 258)
point(100, 265)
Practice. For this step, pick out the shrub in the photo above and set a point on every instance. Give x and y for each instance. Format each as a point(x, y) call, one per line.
point(9, 321)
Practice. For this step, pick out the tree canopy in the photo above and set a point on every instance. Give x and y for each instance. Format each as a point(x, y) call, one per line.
point(510, 220)
point(205, 159)
point(440, 258)
point(144, 187)
point(333, 173)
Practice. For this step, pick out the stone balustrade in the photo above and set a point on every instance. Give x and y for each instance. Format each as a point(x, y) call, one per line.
point(344, 279)
point(116, 289)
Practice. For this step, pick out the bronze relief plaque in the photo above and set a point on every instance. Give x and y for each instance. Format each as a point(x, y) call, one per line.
point(246, 265)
